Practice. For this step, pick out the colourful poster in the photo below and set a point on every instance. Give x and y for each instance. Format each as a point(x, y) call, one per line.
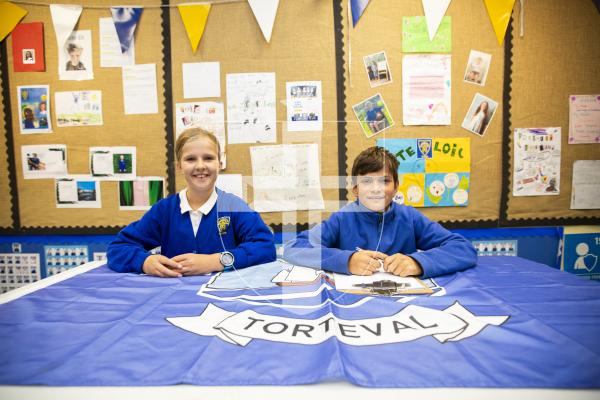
point(415, 36)
point(432, 172)
point(28, 47)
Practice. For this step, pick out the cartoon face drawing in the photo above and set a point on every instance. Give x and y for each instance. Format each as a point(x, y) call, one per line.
point(460, 196)
point(399, 198)
point(451, 180)
point(414, 194)
point(437, 188)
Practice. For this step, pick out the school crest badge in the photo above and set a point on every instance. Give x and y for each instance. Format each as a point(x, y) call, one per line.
point(223, 224)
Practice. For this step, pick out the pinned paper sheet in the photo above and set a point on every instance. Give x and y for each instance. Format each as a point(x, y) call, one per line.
point(64, 18)
point(194, 18)
point(265, 11)
point(126, 19)
point(10, 15)
point(358, 8)
point(434, 12)
point(499, 12)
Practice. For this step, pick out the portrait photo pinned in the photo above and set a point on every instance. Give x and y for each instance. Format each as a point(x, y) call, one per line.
point(113, 163)
point(480, 114)
point(378, 69)
point(44, 161)
point(373, 115)
point(34, 106)
point(477, 67)
point(28, 56)
point(75, 61)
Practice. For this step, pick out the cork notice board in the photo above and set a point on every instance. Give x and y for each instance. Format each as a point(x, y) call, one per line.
point(313, 40)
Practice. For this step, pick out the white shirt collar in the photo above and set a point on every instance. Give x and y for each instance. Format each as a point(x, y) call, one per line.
point(185, 206)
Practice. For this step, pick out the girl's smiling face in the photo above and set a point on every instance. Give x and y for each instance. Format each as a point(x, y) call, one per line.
point(199, 163)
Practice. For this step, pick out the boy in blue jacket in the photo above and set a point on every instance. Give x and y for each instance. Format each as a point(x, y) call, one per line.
point(199, 230)
point(374, 231)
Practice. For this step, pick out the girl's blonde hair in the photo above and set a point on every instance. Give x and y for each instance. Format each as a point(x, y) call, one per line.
point(192, 134)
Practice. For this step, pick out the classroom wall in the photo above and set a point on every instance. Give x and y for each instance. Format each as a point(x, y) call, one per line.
point(553, 59)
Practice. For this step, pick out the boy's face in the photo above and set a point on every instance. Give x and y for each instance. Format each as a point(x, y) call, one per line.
point(375, 190)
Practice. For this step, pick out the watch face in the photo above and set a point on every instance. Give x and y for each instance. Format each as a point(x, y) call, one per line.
point(226, 259)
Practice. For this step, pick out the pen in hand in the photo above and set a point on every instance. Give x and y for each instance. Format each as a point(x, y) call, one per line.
point(378, 259)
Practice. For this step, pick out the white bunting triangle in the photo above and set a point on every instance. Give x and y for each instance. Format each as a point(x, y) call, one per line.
point(434, 12)
point(265, 11)
point(64, 19)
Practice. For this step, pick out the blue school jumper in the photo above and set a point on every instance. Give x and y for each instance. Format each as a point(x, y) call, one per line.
point(401, 229)
point(231, 225)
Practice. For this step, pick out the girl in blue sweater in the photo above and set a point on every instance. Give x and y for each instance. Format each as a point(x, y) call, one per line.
point(375, 232)
point(199, 230)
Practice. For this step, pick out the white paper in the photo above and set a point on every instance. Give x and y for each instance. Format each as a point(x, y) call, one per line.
point(302, 274)
point(139, 89)
point(44, 161)
point(201, 79)
point(75, 57)
point(116, 163)
point(304, 106)
point(251, 112)
point(208, 115)
point(426, 89)
point(110, 47)
point(536, 161)
point(584, 119)
point(78, 108)
point(231, 183)
point(586, 185)
point(286, 177)
point(78, 191)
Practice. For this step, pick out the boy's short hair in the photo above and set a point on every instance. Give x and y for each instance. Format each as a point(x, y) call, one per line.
point(374, 159)
point(72, 46)
point(194, 133)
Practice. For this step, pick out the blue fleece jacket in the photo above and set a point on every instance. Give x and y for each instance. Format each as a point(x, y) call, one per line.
point(401, 229)
point(243, 233)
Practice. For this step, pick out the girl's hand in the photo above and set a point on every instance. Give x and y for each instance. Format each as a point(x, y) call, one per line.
point(198, 264)
point(159, 265)
point(365, 262)
point(402, 265)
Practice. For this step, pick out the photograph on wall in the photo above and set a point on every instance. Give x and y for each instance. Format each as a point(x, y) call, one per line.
point(536, 161)
point(113, 163)
point(251, 108)
point(34, 109)
point(18, 269)
point(426, 89)
point(433, 172)
point(75, 59)
point(477, 67)
point(304, 106)
point(373, 115)
point(208, 115)
point(44, 161)
point(584, 119)
point(60, 258)
point(81, 108)
point(77, 191)
point(28, 47)
point(140, 193)
point(479, 115)
point(378, 69)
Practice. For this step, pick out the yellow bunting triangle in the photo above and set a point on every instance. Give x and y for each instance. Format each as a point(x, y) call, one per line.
point(499, 12)
point(194, 18)
point(10, 15)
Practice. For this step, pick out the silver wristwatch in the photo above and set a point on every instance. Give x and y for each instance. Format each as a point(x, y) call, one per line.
point(227, 260)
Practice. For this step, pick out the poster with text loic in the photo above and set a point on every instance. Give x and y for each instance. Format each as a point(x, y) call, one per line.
point(432, 172)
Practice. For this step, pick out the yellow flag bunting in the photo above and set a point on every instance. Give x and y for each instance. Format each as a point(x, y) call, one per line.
point(499, 12)
point(10, 15)
point(194, 18)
